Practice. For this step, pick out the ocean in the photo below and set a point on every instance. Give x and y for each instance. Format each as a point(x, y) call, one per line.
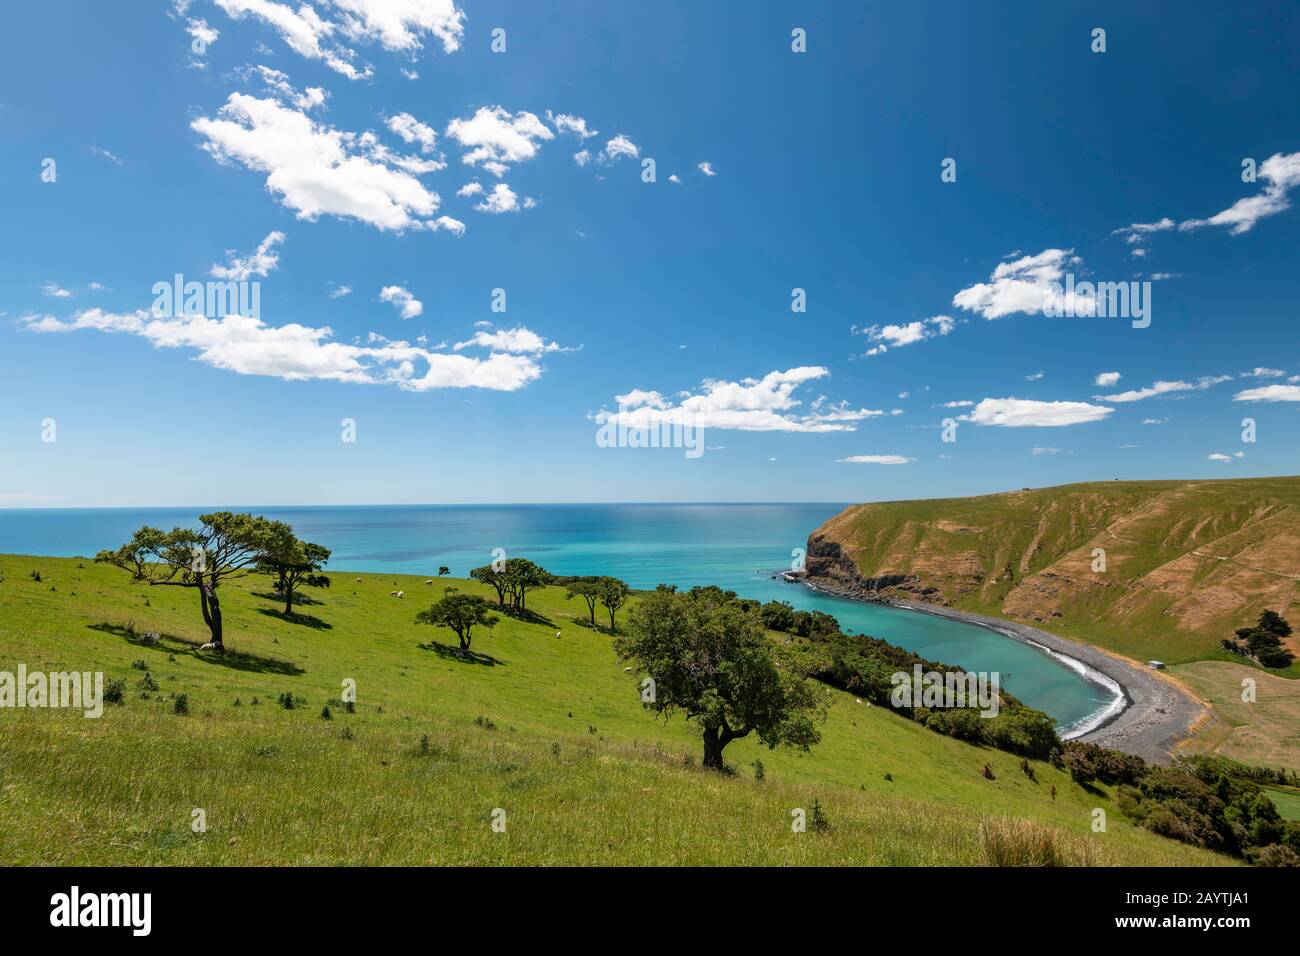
point(741, 547)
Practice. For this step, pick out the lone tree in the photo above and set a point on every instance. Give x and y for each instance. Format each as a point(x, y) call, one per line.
point(460, 612)
point(228, 545)
point(613, 595)
point(589, 590)
point(294, 563)
point(710, 657)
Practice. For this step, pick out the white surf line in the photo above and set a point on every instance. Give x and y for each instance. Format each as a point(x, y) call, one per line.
point(1119, 702)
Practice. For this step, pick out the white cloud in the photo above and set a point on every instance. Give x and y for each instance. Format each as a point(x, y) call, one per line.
point(618, 147)
point(1025, 413)
point(303, 30)
point(399, 25)
point(876, 460)
point(1028, 285)
point(296, 352)
point(582, 157)
point(519, 340)
point(1034, 377)
point(278, 83)
point(470, 189)
point(576, 125)
point(896, 336)
point(1155, 421)
point(766, 404)
point(56, 291)
point(1262, 372)
point(105, 154)
point(199, 30)
point(257, 263)
point(409, 74)
point(97, 287)
point(411, 130)
point(1139, 230)
point(313, 168)
point(675, 179)
point(707, 169)
point(407, 305)
point(1282, 173)
point(501, 199)
point(493, 138)
point(1107, 379)
point(1269, 393)
point(339, 291)
point(1165, 388)
point(961, 404)
point(1048, 450)
point(1216, 456)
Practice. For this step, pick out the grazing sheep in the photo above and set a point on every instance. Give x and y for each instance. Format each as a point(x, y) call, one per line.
point(428, 582)
point(557, 635)
point(392, 594)
point(627, 670)
point(208, 647)
point(358, 580)
point(401, 594)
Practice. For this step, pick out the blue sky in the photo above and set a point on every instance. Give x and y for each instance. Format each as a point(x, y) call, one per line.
point(336, 141)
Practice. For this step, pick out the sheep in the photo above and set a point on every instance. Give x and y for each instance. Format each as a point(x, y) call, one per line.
point(401, 594)
point(627, 670)
point(428, 582)
point(392, 594)
point(358, 580)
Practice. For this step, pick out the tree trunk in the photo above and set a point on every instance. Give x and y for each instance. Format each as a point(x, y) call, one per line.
point(713, 744)
point(288, 599)
point(611, 619)
point(591, 606)
point(211, 614)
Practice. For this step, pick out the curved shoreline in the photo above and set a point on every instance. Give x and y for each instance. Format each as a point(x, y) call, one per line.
point(1157, 713)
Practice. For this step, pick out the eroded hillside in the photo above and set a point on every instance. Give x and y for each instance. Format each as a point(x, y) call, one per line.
point(1167, 567)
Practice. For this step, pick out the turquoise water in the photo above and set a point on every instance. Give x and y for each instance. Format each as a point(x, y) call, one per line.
point(741, 547)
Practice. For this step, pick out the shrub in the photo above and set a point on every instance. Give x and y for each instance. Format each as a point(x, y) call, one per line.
point(759, 770)
point(325, 713)
point(115, 691)
point(817, 819)
point(182, 705)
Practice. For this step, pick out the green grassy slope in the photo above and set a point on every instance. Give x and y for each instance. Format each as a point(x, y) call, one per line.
point(584, 774)
point(1186, 562)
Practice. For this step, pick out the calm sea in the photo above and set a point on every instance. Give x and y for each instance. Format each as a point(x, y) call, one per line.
point(742, 547)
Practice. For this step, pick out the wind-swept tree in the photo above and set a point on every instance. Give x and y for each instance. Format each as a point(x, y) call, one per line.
point(490, 575)
point(711, 659)
point(294, 563)
point(460, 612)
point(227, 545)
point(589, 590)
point(613, 595)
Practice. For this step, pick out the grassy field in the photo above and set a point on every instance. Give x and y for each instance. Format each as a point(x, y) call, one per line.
point(1186, 562)
point(1264, 731)
point(547, 729)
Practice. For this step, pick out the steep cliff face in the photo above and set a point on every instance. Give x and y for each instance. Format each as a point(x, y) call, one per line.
point(1183, 561)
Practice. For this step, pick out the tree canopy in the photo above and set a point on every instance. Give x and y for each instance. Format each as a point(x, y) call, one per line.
point(460, 612)
point(226, 545)
point(710, 658)
point(294, 563)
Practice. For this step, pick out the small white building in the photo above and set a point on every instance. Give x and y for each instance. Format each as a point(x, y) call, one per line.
point(1156, 665)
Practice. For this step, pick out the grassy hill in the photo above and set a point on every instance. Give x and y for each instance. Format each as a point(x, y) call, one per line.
point(1186, 562)
point(549, 729)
